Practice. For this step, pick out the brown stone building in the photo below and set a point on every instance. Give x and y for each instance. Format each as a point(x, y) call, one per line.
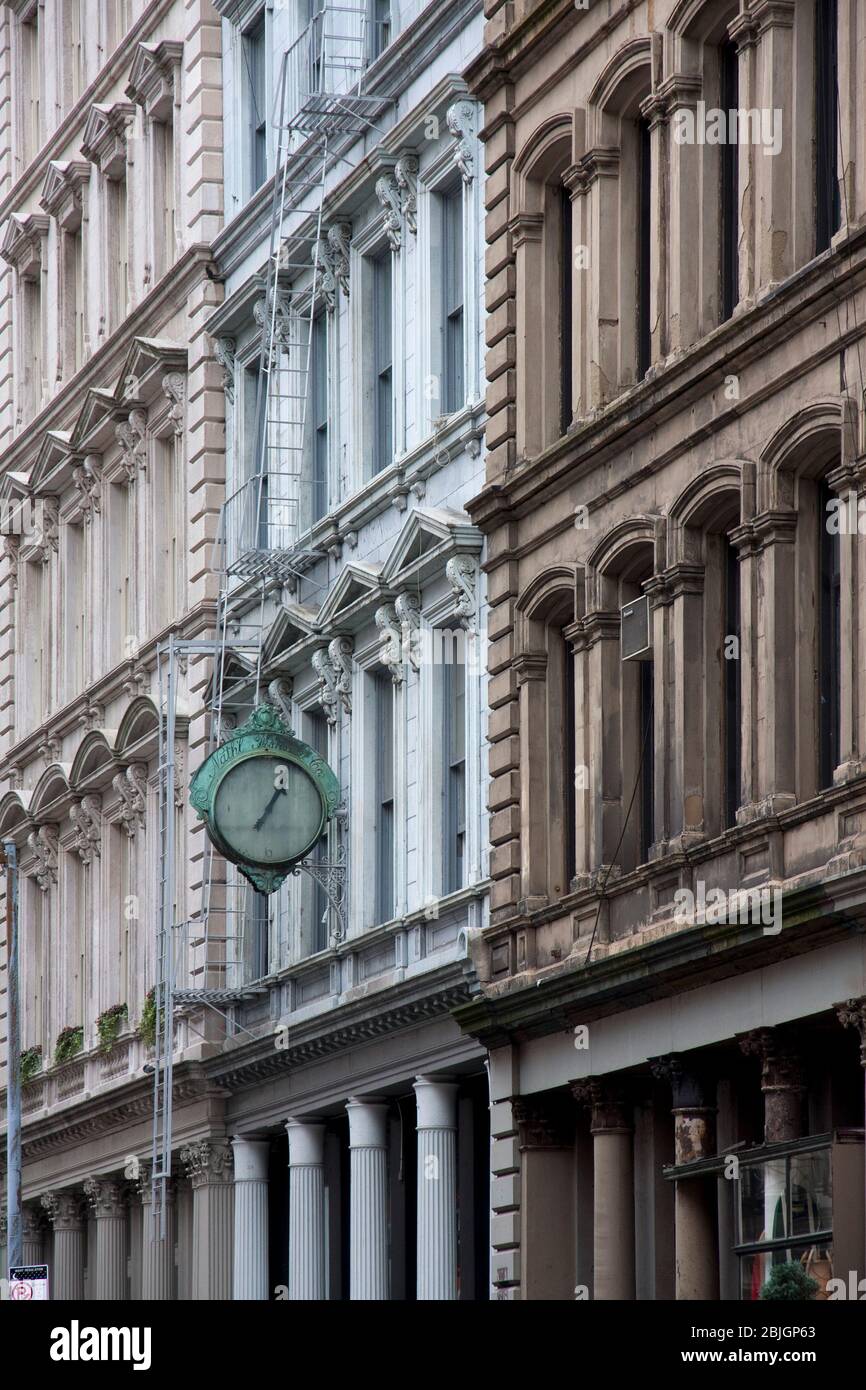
point(674, 973)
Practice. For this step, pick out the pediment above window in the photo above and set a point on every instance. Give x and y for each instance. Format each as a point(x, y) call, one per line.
point(429, 537)
point(22, 244)
point(105, 137)
point(358, 590)
point(62, 191)
point(292, 625)
point(154, 78)
point(148, 361)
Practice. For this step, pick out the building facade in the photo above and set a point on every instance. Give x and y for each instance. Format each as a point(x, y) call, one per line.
point(329, 1120)
point(674, 978)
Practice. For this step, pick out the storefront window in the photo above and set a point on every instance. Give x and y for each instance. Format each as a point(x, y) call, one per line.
point(785, 1216)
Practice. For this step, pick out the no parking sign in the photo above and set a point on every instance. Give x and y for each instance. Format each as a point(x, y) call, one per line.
point(28, 1283)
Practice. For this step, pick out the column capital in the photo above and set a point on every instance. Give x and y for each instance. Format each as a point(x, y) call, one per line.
point(544, 1121)
point(436, 1099)
point(852, 1014)
point(368, 1118)
point(306, 1141)
point(250, 1159)
point(33, 1218)
point(782, 1081)
point(65, 1211)
point(609, 1104)
point(207, 1161)
point(106, 1197)
point(144, 1186)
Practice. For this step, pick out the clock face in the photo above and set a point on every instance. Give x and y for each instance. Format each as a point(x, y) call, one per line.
point(268, 810)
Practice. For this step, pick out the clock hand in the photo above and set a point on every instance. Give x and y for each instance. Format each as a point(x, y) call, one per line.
point(266, 812)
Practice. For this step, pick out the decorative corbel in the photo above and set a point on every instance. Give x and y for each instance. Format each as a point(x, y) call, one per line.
point(406, 176)
point(460, 119)
point(461, 572)
point(86, 481)
point(131, 435)
point(174, 387)
point(391, 640)
point(407, 606)
point(131, 787)
point(324, 669)
point(85, 816)
point(339, 240)
point(224, 351)
point(389, 196)
point(43, 845)
point(340, 651)
point(280, 694)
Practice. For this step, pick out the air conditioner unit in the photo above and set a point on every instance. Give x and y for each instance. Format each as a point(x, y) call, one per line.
point(636, 642)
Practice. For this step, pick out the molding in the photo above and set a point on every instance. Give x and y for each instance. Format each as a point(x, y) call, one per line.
point(105, 137)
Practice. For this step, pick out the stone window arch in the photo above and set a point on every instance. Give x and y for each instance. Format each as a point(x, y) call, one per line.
point(541, 223)
point(548, 701)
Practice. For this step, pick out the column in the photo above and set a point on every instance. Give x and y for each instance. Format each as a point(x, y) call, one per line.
point(31, 1234)
point(107, 1203)
point(696, 1199)
point(251, 1218)
point(782, 1082)
point(208, 1165)
point(65, 1212)
point(546, 1195)
point(849, 1233)
point(157, 1255)
point(437, 1188)
point(306, 1209)
point(776, 623)
point(613, 1187)
point(369, 1265)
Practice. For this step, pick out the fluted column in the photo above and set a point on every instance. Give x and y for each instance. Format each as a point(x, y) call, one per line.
point(66, 1214)
point(107, 1202)
point(208, 1165)
point(437, 1188)
point(613, 1188)
point(696, 1198)
point(369, 1265)
point(306, 1209)
point(250, 1280)
point(32, 1229)
point(158, 1281)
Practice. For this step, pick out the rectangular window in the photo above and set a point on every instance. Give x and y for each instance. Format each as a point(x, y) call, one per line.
point(316, 733)
point(383, 734)
point(565, 310)
point(75, 246)
point(319, 359)
point(381, 25)
point(785, 1216)
point(646, 753)
point(644, 340)
point(569, 759)
point(31, 87)
point(166, 541)
point(31, 325)
point(453, 393)
point(74, 51)
point(255, 59)
point(383, 442)
point(249, 518)
point(829, 643)
point(257, 933)
point(730, 172)
point(731, 677)
point(164, 228)
point(119, 571)
point(119, 257)
point(74, 618)
point(827, 201)
point(454, 771)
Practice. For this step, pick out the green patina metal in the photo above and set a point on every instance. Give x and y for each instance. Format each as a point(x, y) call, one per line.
point(264, 736)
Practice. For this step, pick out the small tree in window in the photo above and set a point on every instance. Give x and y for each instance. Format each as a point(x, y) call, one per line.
point(789, 1283)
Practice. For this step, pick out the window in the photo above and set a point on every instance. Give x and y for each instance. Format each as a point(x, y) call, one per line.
point(120, 567)
point(166, 532)
point(165, 229)
point(118, 290)
point(569, 762)
point(827, 201)
point(646, 754)
point(74, 56)
point(381, 26)
point(784, 1215)
point(319, 357)
point(31, 87)
point(731, 678)
point(31, 324)
point(383, 440)
point(565, 310)
point(74, 624)
point(255, 60)
point(729, 83)
point(453, 389)
point(257, 930)
point(383, 733)
point(829, 642)
point(453, 670)
point(644, 342)
point(316, 734)
point(250, 514)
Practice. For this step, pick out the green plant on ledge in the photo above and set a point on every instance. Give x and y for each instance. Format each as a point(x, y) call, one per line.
point(31, 1063)
point(69, 1042)
point(789, 1282)
point(108, 1026)
point(147, 1026)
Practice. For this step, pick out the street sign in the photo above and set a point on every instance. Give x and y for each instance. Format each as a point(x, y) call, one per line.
point(28, 1282)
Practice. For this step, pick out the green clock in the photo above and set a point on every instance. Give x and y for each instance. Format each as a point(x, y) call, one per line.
point(266, 798)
